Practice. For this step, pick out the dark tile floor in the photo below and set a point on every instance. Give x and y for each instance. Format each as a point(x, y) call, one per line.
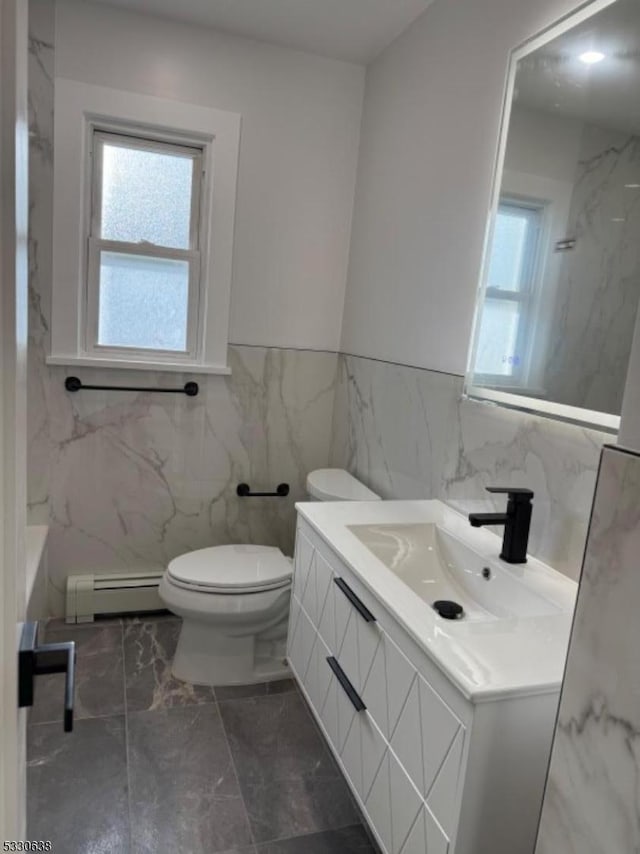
point(155, 765)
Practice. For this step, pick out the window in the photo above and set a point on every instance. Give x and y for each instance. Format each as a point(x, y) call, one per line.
point(505, 327)
point(144, 245)
point(144, 206)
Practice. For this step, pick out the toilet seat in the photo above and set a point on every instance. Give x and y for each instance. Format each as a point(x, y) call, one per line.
point(232, 569)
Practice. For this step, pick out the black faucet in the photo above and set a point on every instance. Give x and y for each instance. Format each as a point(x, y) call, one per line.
point(516, 521)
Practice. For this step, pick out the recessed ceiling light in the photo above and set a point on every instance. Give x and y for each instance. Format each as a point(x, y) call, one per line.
point(618, 219)
point(590, 57)
point(632, 186)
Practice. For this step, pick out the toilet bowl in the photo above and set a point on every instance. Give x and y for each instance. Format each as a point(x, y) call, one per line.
point(234, 601)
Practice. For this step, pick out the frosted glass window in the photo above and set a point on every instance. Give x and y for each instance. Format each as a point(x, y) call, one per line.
point(497, 353)
point(502, 338)
point(144, 262)
point(146, 196)
point(514, 247)
point(143, 302)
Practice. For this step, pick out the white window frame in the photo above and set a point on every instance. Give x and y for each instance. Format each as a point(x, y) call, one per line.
point(81, 111)
point(98, 244)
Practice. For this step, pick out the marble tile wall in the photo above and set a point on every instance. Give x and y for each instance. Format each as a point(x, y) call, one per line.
point(591, 801)
point(599, 281)
point(41, 76)
point(407, 434)
point(135, 480)
point(129, 481)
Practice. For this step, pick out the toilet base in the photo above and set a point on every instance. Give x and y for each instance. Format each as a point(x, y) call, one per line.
point(204, 657)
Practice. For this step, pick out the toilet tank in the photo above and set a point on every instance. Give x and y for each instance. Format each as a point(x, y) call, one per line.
point(337, 485)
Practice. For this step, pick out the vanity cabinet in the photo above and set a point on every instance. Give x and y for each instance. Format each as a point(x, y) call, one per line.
point(431, 770)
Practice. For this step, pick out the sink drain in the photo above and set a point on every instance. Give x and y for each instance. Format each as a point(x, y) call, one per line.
point(448, 609)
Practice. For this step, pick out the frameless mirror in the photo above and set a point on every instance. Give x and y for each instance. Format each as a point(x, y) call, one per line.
point(561, 275)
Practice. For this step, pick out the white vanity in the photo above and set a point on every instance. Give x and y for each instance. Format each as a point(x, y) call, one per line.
point(442, 728)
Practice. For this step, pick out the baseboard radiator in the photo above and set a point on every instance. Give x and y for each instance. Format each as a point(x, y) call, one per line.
point(90, 595)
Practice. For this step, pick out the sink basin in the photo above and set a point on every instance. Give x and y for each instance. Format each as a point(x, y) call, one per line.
point(513, 637)
point(437, 565)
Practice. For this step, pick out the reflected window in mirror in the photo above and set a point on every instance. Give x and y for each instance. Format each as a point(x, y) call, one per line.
point(507, 326)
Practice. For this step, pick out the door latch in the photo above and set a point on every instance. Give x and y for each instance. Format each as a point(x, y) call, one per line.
point(35, 660)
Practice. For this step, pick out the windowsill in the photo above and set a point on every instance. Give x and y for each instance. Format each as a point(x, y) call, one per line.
point(529, 391)
point(133, 364)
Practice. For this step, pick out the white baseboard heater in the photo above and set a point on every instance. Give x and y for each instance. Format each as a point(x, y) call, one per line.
point(91, 595)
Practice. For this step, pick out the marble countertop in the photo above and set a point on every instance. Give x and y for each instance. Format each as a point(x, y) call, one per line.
point(517, 656)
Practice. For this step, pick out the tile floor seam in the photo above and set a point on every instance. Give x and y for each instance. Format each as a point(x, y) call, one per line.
point(77, 720)
point(237, 776)
point(170, 708)
point(308, 833)
point(126, 739)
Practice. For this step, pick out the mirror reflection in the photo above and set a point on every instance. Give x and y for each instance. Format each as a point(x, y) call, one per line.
point(562, 273)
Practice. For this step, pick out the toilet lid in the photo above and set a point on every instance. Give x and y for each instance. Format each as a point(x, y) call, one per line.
point(232, 568)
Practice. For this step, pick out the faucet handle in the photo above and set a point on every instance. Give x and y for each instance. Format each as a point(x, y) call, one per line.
point(517, 493)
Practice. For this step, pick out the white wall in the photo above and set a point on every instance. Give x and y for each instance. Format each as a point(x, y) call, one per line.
point(543, 144)
point(301, 118)
point(429, 134)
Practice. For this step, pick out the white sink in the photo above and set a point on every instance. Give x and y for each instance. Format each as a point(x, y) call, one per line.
point(437, 565)
point(514, 634)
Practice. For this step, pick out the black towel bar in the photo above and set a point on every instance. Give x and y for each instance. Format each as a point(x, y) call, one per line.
point(191, 389)
point(244, 491)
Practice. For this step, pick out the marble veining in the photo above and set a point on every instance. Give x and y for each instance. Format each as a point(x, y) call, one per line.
point(599, 281)
point(40, 106)
point(407, 433)
point(592, 800)
point(149, 647)
point(134, 481)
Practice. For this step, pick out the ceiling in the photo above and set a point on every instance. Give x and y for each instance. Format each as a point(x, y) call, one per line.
point(554, 79)
point(353, 30)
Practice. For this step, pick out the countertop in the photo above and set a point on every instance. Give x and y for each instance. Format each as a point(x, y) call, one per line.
point(516, 656)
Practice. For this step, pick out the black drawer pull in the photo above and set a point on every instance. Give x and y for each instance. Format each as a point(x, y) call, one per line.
point(349, 690)
point(360, 607)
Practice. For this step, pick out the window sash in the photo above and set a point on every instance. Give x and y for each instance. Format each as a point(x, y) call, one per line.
point(528, 279)
point(96, 248)
point(100, 138)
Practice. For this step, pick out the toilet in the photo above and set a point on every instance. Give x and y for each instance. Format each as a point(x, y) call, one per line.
point(234, 601)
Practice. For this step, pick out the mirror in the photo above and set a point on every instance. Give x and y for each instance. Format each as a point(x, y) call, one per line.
point(561, 276)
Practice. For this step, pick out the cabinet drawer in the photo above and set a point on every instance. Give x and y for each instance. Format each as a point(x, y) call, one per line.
point(311, 585)
point(319, 675)
point(424, 738)
point(397, 811)
point(303, 557)
point(301, 639)
point(426, 835)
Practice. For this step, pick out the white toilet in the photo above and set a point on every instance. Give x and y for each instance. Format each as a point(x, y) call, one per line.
point(234, 601)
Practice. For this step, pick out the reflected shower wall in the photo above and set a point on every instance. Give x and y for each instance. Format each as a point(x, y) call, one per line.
point(598, 291)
